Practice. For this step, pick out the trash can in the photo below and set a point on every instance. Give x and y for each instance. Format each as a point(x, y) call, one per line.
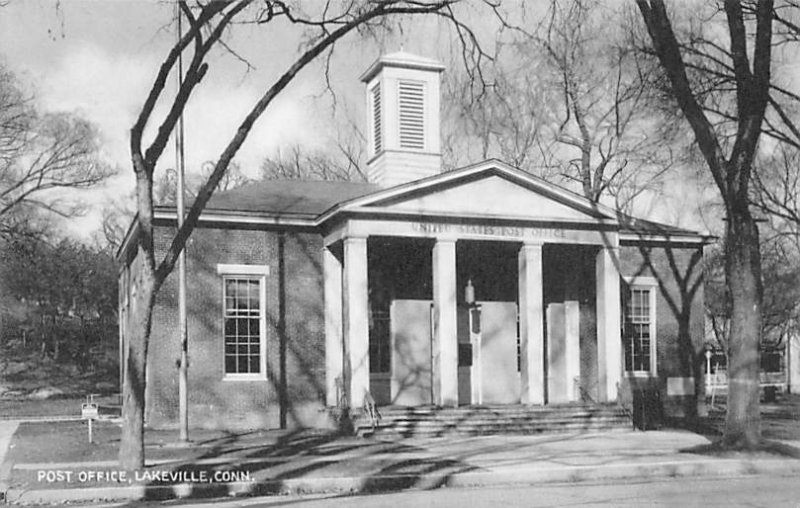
point(646, 409)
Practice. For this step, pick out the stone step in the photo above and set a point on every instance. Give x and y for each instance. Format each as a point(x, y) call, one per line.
point(505, 421)
point(550, 424)
point(501, 425)
point(499, 409)
point(509, 418)
point(416, 431)
point(430, 421)
point(532, 416)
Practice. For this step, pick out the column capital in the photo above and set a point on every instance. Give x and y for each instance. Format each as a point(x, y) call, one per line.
point(355, 238)
point(446, 239)
point(610, 240)
point(532, 244)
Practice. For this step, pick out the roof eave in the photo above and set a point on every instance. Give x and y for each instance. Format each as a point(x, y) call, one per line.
point(131, 234)
point(665, 237)
point(240, 217)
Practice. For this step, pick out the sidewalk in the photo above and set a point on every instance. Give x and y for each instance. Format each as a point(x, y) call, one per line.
point(306, 462)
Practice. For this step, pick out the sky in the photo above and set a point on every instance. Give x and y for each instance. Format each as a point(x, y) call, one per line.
point(98, 58)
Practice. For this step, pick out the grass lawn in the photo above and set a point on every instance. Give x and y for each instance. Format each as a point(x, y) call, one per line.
point(39, 447)
point(67, 406)
point(779, 420)
point(54, 455)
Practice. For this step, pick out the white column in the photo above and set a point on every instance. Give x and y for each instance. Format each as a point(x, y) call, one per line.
point(609, 341)
point(334, 345)
point(531, 326)
point(356, 318)
point(445, 340)
point(793, 363)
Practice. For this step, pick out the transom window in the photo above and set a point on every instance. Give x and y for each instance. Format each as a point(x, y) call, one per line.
point(639, 331)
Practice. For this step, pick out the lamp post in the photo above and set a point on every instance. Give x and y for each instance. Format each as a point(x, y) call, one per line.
point(473, 311)
point(708, 367)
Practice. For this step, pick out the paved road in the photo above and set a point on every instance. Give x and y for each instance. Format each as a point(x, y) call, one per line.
point(748, 491)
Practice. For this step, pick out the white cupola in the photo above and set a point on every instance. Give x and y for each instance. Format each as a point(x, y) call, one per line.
point(403, 118)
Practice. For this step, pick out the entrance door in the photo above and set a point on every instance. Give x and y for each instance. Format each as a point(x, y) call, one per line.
point(411, 352)
point(493, 368)
point(500, 379)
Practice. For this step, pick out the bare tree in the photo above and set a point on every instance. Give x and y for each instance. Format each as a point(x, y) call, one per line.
point(777, 191)
point(116, 216)
point(234, 177)
point(165, 185)
point(298, 163)
point(41, 153)
point(570, 100)
point(729, 158)
point(323, 25)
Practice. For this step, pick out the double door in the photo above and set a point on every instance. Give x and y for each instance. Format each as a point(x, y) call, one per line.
point(488, 361)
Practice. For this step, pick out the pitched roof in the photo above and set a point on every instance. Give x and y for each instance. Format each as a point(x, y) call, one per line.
point(310, 200)
point(630, 224)
point(287, 197)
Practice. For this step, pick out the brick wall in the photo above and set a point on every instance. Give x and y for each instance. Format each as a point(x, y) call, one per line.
point(293, 393)
point(679, 315)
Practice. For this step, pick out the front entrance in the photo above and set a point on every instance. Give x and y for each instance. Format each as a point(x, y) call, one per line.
point(488, 367)
point(403, 354)
point(488, 370)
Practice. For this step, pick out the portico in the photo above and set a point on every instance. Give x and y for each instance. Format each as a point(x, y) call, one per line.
point(432, 219)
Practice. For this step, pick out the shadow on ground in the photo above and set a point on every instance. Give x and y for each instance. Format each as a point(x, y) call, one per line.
point(319, 457)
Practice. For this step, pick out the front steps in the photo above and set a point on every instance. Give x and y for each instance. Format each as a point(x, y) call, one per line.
point(485, 420)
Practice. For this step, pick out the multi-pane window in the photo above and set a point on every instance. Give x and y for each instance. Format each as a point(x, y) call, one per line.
point(243, 318)
point(639, 336)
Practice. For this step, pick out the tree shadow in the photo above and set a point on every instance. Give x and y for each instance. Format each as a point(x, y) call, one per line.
point(270, 469)
point(766, 447)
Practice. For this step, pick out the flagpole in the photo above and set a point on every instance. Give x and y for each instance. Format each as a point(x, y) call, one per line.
point(183, 370)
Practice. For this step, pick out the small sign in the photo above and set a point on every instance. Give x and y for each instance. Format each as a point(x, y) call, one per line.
point(680, 386)
point(89, 411)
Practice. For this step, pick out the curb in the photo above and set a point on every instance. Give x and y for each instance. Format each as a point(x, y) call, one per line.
point(508, 476)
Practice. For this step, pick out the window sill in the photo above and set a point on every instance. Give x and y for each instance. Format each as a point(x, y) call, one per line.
point(640, 374)
point(243, 377)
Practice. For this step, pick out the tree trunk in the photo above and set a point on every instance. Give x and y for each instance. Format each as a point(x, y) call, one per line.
point(743, 271)
point(131, 450)
point(54, 331)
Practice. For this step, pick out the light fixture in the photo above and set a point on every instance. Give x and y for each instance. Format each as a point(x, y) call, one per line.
point(469, 293)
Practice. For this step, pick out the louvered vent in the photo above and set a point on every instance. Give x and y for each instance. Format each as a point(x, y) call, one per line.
point(376, 118)
point(412, 114)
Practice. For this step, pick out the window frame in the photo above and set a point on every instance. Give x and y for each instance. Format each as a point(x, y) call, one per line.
point(248, 272)
point(649, 284)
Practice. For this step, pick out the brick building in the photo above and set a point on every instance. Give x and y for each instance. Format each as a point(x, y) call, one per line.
point(484, 285)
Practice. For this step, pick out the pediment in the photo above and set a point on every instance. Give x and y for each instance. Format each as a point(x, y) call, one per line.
point(492, 194)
